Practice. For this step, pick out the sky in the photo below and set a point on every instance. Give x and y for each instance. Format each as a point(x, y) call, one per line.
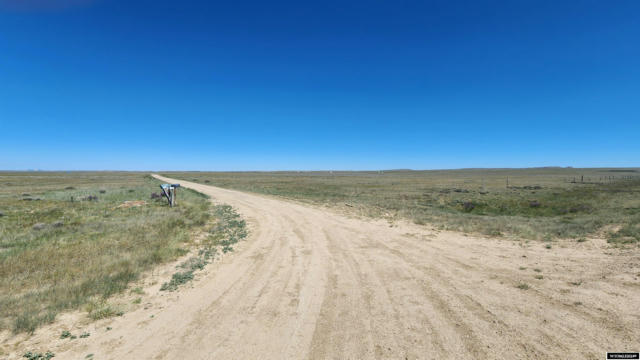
point(297, 85)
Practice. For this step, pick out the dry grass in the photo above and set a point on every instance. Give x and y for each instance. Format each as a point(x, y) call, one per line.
point(541, 203)
point(59, 250)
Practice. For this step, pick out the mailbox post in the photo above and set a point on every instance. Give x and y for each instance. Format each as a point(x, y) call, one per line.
point(169, 191)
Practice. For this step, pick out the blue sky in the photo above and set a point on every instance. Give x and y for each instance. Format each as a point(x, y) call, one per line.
point(244, 85)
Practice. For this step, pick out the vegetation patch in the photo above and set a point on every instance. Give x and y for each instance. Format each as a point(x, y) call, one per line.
point(229, 228)
point(525, 203)
point(102, 309)
point(522, 286)
point(75, 247)
point(38, 356)
point(177, 279)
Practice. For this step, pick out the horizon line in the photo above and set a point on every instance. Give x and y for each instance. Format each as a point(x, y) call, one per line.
point(326, 170)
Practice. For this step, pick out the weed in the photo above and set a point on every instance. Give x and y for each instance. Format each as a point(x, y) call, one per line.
point(537, 270)
point(65, 334)
point(177, 279)
point(137, 290)
point(228, 230)
point(523, 286)
point(137, 301)
point(85, 335)
point(38, 356)
point(523, 268)
point(575, 283)
point(194, 263)
point(548, 246)
point(539, 277)
point(101, 310)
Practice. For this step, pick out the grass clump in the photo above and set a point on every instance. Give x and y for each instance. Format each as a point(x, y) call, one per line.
point(137, 290)
point(102, 309)
point(28, 321)
point(522, 286)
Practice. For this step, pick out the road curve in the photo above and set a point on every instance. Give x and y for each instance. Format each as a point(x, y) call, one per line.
point(313, 284)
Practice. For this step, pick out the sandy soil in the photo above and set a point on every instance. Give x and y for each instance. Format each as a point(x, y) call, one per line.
point(311, 283)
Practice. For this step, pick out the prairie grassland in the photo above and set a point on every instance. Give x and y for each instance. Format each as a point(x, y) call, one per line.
point(66, 241)
point(536, 203)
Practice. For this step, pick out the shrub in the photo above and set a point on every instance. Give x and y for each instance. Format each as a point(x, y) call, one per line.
point(468, 206)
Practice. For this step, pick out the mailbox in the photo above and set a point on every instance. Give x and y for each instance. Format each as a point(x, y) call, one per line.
point(169, 191)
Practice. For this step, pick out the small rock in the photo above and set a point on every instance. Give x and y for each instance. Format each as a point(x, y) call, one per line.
point(39, 226)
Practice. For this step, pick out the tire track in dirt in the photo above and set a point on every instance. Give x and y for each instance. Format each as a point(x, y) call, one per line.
point(310, 283)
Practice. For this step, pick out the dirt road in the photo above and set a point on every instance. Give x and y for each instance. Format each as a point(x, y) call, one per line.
point(310, 283)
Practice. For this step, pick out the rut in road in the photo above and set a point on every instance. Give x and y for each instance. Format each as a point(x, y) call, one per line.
point(314, 284)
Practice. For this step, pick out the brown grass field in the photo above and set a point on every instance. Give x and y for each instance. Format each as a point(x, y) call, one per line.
point(388, 264)
point(537, 203)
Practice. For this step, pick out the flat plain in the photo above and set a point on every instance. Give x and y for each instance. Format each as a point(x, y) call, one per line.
point(536, 203)
point(72, 239)
point(392, 265)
